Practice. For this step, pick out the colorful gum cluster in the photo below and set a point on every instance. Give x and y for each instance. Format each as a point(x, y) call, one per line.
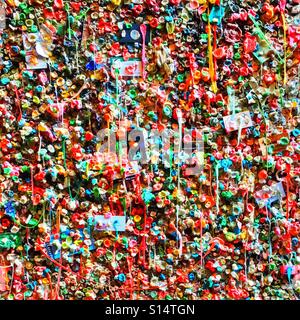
point(226, 68)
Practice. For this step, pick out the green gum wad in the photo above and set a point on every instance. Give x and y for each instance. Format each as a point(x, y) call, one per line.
point(9, 241)
point(180, 77)
point(227, 194)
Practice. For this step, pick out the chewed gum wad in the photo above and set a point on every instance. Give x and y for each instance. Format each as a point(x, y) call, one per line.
point(149, 149)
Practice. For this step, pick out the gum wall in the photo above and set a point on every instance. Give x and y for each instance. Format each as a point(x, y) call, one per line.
point(149, 149)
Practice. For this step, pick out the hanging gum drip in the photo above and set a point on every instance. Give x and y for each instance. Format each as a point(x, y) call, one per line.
point(285, 28)
point(210, 57)
point(87, 223)
point(143, 29)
